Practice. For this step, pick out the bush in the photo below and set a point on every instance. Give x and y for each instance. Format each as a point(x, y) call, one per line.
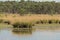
point(22, 25)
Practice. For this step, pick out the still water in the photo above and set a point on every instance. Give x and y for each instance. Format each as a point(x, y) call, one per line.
point(36, 34)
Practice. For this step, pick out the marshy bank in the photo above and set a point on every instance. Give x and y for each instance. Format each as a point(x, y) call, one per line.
point(29, 20)
point(4, 26)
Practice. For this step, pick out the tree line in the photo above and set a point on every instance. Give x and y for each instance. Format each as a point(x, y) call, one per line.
point(33, 7)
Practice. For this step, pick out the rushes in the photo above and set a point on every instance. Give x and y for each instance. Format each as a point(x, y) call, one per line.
point(22, 25)
point(29, 20)
point(48, 21)
point(6, 22)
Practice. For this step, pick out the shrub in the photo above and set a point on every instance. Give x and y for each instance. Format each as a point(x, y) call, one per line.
point(22, 25)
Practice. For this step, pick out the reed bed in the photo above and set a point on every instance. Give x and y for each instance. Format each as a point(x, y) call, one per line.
point(30, 19)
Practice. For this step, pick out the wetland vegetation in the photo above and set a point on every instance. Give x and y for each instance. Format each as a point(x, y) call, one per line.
point(29, 20)
point(26, 14)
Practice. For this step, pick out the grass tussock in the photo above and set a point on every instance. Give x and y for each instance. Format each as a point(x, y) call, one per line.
point(6, 22)
point(22, 25)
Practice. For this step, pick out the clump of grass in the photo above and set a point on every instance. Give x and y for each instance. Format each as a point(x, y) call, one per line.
point(57, 21)
point(53, 21)
point(22, 25)
point(6, 22)
point(40, 22)
point(37, 22)
point(37, 19)
point(48, 21)
point(44, 21)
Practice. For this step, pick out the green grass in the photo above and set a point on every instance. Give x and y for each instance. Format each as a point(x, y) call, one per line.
point(41, 26)
point(22, 25)
point(47, 26)
point(48, 21)
point(40, 20)
point(4, 26)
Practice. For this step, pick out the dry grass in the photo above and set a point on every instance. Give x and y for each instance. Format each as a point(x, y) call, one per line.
point(28, 18)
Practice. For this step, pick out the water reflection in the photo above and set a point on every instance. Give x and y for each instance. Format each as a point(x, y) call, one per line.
point(22, 31)
point(29, 34)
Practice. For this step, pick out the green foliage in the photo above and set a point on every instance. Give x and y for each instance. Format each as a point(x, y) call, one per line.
point(24, 7)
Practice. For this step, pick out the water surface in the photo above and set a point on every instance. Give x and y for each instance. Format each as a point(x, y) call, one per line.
point(36, 34)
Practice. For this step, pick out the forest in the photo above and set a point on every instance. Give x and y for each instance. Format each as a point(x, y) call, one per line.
point(30, 7)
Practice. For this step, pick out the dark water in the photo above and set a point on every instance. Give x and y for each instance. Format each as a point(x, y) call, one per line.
point(28, 34)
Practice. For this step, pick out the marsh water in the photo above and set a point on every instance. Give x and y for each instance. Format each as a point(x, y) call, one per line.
point(29, 34)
